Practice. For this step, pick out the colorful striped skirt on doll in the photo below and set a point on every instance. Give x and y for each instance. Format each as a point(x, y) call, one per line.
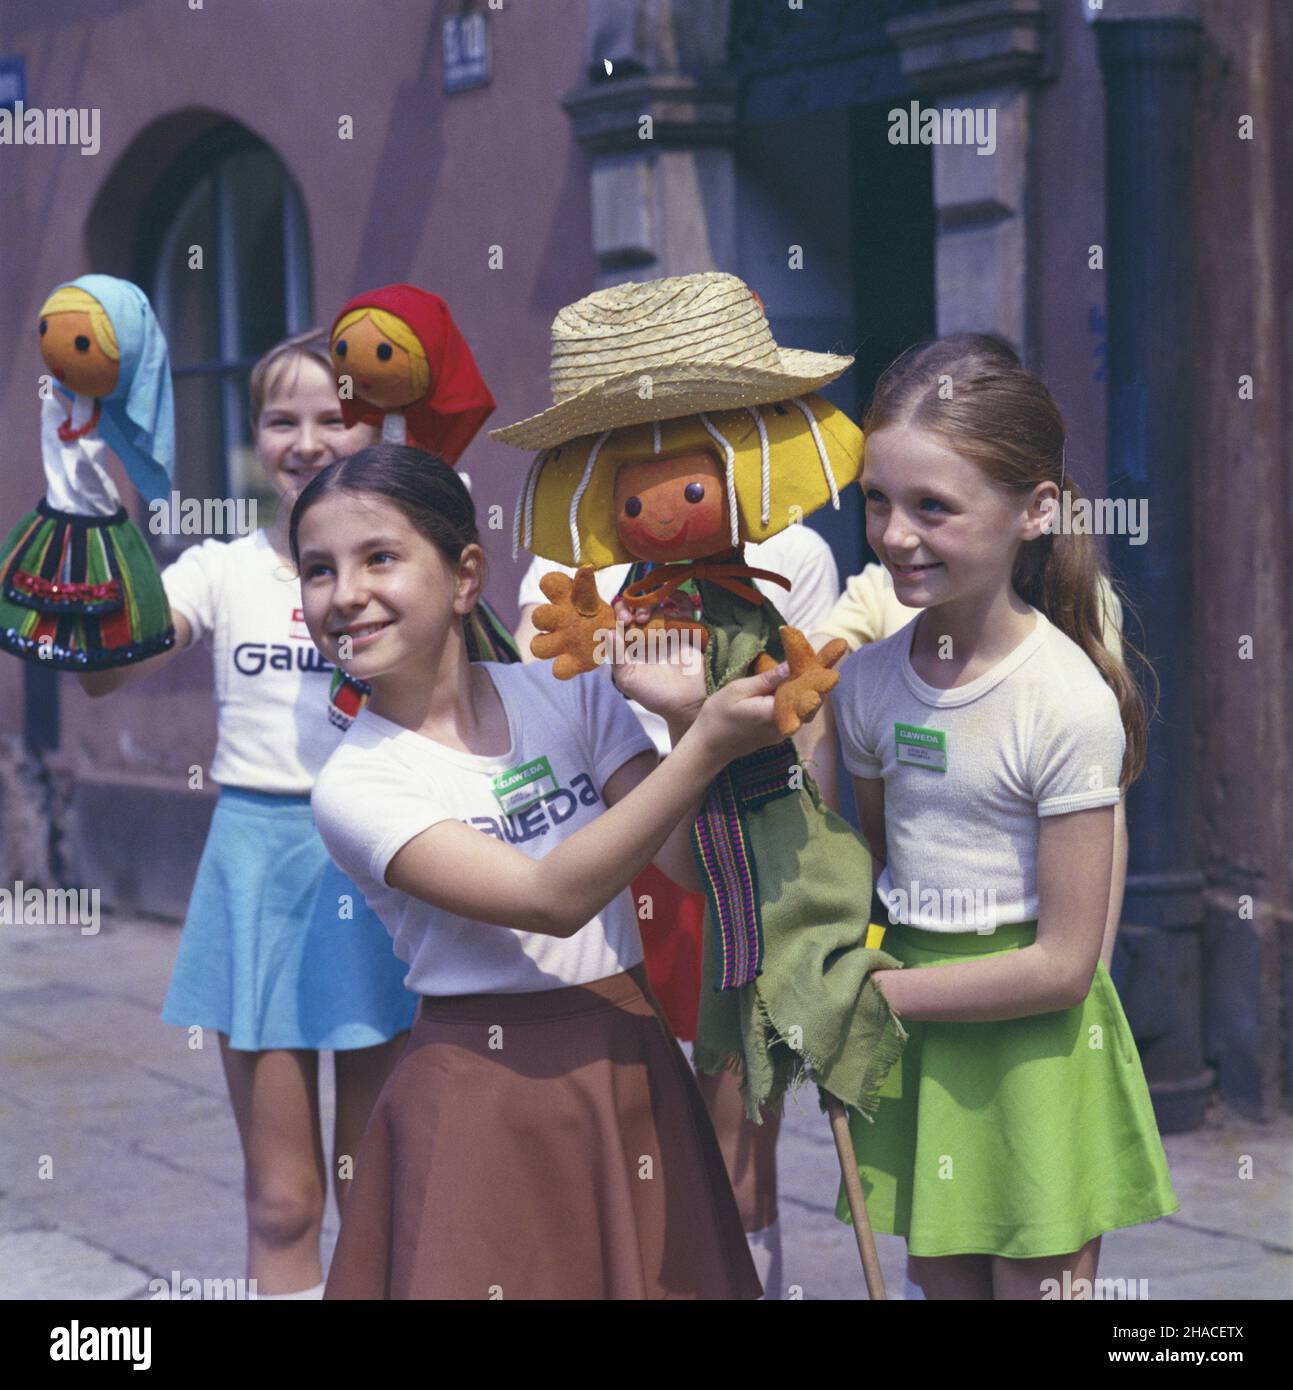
point(81, 593)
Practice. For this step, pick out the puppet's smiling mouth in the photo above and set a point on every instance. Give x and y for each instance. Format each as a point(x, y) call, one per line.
point(676, 533)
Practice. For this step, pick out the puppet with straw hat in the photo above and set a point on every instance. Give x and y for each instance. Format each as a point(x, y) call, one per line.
point(679, 431)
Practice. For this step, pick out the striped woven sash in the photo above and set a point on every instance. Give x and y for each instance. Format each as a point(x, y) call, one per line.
point(720, 841)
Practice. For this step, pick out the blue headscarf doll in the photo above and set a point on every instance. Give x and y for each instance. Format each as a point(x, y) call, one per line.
point(79, 588)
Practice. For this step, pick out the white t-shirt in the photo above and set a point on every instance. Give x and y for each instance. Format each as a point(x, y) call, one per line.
point(798, 552)
point(386, 784)
point(1037, 735)
point(271, 681)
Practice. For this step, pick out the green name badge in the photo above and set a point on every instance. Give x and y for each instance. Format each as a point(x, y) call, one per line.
point(522, 787)
point(921, 747)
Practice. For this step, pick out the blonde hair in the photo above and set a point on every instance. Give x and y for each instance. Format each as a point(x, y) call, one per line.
point(1002, 417)
point(268, 373)
point(71, 299)
point(394, 328)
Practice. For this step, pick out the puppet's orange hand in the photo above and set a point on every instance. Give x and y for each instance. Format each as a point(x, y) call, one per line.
point(569, 625)
point(799, 696)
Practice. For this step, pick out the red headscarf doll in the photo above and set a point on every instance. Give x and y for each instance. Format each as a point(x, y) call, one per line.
point(402, 364)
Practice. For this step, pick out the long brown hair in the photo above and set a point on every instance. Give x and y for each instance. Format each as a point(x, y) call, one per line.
point(1000, 415)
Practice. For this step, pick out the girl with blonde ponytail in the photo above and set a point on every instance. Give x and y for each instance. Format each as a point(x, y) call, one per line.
point(989, 742)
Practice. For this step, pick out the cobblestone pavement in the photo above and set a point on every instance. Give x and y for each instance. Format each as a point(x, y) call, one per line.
point(119, 1160)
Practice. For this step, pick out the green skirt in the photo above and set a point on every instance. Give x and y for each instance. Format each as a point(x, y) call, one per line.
point(1023, 1138)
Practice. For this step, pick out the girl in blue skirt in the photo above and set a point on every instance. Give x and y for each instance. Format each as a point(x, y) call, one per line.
point(989, 741)
point(280, 964)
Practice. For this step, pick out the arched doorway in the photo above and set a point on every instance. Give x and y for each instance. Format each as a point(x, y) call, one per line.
point(207, 218)
point(815, 171)
point(223, 251)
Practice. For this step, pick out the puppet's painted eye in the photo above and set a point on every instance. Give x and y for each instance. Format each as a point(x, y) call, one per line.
point(340, 349)
point(44, 326)
point(82, 343)
point(633, 507)
point(384, 352)
point(694, 492)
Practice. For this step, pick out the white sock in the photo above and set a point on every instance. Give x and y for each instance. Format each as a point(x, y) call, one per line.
point(765, 1247)
point(315, 1292)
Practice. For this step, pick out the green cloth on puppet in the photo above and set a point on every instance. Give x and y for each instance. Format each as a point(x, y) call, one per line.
point(814, 1005)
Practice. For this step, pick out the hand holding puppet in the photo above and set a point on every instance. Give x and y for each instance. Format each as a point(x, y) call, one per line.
point(680, 430)
point(79, 588)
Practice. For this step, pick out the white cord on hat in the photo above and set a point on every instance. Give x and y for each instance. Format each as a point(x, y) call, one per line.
point(582, 488)
point(821, 450)
point(729, 478)
point(540, 464)
point(766, 473)
point(655, 434)
point(525, 502)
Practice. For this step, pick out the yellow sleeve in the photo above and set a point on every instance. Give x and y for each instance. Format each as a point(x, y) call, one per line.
point(858, 616)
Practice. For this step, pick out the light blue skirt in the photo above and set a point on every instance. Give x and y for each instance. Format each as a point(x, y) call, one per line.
point(279, 948)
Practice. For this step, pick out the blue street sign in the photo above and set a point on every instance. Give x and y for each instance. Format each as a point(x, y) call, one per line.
point(466, 51)
point(13, 81)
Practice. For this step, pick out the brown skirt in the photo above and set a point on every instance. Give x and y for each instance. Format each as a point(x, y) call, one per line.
point(543, 1145)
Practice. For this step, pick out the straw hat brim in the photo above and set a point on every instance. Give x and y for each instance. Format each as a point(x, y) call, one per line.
point(683, 388)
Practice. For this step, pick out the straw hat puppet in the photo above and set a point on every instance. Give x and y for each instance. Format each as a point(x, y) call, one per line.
point(79, 588)
point(679, 431)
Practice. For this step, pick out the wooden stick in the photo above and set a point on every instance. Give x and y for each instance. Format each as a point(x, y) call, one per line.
point(857, 1201)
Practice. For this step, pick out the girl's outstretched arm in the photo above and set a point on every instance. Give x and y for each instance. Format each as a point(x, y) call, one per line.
point(1074, 868)
point(476, 876)
point(96, 683)
point(675, 857)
